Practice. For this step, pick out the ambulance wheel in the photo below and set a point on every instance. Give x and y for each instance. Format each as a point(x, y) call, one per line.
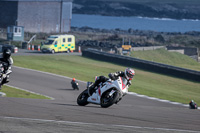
point(52, 51)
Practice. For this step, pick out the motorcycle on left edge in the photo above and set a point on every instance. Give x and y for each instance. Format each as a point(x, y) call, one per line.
point(4, 77)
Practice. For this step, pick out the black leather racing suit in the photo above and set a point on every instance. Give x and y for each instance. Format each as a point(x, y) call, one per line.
point(7, 63)
point(74, 85)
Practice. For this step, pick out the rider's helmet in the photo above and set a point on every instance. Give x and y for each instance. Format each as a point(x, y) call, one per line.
point(73, 79)
point(129, 73)
point(6, 53)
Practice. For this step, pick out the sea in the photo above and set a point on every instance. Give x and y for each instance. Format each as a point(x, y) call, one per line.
point(136, 23)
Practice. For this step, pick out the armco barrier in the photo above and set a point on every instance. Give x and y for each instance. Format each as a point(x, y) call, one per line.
point(143, 64)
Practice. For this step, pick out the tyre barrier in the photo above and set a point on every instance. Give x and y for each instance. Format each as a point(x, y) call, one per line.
point(143, 64)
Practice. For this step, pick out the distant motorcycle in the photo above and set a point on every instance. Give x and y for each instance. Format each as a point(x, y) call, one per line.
point(75, 86)
point(106, 94)
point(193, 105)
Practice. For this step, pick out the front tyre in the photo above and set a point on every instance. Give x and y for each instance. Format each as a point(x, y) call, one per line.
point(82, 98)
point(52, 51)
point(108, 100)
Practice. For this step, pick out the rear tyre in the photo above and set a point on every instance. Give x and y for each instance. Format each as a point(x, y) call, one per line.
point(82, 98)
point(107, 100)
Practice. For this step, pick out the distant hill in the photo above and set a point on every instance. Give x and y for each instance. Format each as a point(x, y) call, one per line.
point(176, 9)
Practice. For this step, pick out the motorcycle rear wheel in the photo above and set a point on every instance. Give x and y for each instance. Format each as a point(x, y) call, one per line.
point(107, 101)
point(82, 98)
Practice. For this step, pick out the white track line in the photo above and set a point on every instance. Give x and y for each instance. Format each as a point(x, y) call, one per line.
point(131, 93)
point(98, 124)
point(48, 73)
point(30, 91)
point(157, 99)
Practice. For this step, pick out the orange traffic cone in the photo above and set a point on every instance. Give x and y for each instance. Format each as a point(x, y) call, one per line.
point(79, 49)
point(29, 47)
point(32, 47)
point(15, 49)
point(38, 47)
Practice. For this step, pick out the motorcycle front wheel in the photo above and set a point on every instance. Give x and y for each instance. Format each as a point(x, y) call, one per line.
point(107, 100)
point(82, 98)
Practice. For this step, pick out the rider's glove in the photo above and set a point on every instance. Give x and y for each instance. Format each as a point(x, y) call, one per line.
point(129, 83)
point(112, 76)
point(118, 73)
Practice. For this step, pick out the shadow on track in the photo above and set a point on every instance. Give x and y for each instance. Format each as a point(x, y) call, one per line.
point(66, 89)
point(75, 105)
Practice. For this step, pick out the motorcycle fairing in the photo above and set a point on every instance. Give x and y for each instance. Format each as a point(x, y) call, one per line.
point(118, 84)
point(123, 82)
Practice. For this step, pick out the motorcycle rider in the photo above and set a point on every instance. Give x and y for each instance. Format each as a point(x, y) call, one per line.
point(7, 62)
point(193, 105)
point(128, 74)
point(74, 84)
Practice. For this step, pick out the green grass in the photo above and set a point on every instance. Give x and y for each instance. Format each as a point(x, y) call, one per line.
point(165, 57)
point(13, 92)
point(147, 83)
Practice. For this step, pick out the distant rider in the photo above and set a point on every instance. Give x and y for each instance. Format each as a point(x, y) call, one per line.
point(7, 62)
point(128, 75)
point(74, 84)
point(193, 105)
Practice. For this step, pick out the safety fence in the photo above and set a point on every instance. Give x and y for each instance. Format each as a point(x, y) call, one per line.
point(143, 64)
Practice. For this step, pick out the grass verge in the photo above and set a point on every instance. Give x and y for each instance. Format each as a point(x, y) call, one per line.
point(13, 92)
point(146, 83)
point(165, 57)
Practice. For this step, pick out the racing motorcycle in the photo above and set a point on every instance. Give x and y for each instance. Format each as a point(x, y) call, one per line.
point(4, 77)
point(106, 94)
point(193, 105)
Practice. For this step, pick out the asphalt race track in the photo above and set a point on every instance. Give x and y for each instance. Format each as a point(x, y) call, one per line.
point(62, 114)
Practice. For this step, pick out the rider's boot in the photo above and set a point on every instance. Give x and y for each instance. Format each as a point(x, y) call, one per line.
point(91, 89)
